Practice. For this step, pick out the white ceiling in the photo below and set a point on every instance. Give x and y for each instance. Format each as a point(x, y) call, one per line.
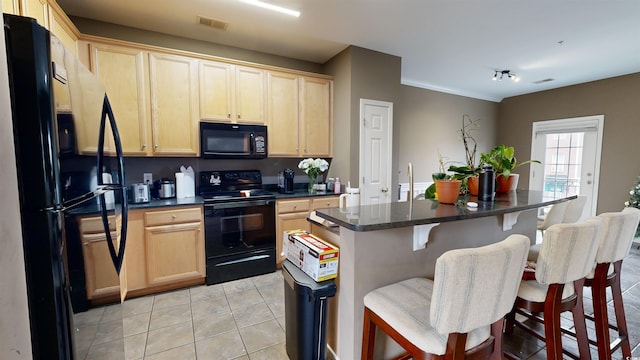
point(452, 46)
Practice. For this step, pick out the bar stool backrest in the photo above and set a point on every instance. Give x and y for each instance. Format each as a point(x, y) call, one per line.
point(619, 231)
point(568, 251)
point(574, 210)
point(478, 286)
point(554, 216)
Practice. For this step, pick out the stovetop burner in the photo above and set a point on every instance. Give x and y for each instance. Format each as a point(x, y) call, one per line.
point(217, 186)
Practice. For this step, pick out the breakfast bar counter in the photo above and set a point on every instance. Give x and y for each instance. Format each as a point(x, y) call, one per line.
point(385, 243)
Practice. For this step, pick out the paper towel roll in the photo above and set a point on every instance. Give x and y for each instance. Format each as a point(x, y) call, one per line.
point(185, 185)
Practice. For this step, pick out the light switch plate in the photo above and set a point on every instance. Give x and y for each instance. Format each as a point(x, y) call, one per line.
point(148, 178)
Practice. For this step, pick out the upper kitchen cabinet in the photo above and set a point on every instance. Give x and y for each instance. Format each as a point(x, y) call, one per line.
point(62, 27)
point(37, 9)
point(123, 72)
point(283, 125)
point(316, 117)
point(300, 120)
point(174, 104)
point(231, 93)
point(11, 7)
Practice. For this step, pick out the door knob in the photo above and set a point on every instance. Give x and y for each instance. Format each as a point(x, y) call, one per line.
point(384, 189)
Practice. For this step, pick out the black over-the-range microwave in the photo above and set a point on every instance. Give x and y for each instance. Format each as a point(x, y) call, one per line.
point(232, 141)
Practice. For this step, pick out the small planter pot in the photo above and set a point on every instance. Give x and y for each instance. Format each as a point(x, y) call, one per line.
point(472, 185)
point(503, 184)
point(447, 191)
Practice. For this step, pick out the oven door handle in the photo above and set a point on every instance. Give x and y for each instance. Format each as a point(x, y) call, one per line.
point(240, 204)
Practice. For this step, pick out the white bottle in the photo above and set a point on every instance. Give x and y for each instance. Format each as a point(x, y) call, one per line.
point(336, 186)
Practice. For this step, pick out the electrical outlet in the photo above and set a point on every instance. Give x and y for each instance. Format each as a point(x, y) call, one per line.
point(148, 178)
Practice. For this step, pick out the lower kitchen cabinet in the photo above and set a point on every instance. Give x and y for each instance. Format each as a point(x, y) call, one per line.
point(101, 280)
point(165, 249)
point(292, 214)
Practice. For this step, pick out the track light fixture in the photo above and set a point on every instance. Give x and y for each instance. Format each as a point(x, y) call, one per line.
point(499, 74)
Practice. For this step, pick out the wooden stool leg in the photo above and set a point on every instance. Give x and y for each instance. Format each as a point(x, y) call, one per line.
point(510, 321)
point(552, 329)
point(580, 323)
point(601, 320)
point(496, 331)
point(368, 335)
point(618, 306)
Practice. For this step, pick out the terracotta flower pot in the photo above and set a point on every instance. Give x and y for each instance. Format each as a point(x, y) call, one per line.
point(447, 191)
point(472, 185)
point(503, 184)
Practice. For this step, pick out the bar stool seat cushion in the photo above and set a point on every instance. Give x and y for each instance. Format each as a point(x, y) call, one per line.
point(534, 291)
point(408, 313)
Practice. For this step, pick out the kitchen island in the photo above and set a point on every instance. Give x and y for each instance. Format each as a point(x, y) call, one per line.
point(385, 243)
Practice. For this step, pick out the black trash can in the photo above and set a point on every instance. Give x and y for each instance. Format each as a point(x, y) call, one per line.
point(305, 307)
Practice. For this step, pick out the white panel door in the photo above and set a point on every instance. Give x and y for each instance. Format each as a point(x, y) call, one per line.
point(569, 150)
point(375, 151)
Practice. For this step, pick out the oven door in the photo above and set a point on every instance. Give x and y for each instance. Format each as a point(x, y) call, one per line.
point(239, 226)
point(240, 239)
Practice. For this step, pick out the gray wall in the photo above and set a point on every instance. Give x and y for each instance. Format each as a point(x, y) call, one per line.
point(428, 121)
point(15, 338)
point(616, 98)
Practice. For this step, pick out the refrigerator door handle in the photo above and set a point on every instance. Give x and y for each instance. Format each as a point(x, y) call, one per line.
point(117, 247)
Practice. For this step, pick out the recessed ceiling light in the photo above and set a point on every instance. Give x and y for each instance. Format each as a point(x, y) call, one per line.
point(272, 7)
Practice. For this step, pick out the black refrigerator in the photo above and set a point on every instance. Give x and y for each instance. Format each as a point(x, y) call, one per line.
point(32, 74)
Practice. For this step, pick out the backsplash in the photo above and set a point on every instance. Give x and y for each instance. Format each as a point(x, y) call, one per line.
point(166, 167)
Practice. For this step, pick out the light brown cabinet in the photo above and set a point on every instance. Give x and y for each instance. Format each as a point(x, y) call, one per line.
point(231, 93)
point(165, 249)
point(102, 282)
point(122, 71)
point(292, 214)
point(10, 7)
point(174, 104)
point(300, 116)
point(37, 9)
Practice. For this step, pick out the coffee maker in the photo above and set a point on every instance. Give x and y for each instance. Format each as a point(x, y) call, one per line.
point(288, 175)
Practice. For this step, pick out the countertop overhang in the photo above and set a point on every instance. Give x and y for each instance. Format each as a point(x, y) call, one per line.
point(421, 212)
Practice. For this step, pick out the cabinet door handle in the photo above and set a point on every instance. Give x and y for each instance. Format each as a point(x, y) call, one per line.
point(173, 217)
point(85, 244)
point(155, 146)
point(144, 146)
point(229, 115)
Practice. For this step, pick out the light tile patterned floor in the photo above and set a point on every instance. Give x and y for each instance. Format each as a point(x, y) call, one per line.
point(244, 319)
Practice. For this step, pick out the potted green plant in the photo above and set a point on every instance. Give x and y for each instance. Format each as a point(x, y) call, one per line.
point(468, 173)
point(503, 160)
point(445, 187)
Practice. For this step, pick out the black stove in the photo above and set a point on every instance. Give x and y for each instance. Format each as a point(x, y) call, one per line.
point(239, 217)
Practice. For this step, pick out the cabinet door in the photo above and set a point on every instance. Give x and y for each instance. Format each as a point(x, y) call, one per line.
point(122, 72)
point(174, 104)
point(10, 7)
point(63, 28)
point(316, 132)
point(250, 95)
point(101, 277)
point(291, 221)
point(282, 126)
point(216, 91)
point(174, 253)
point(37, 9)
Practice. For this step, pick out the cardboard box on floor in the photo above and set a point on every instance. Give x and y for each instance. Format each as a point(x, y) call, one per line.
point(316, 257)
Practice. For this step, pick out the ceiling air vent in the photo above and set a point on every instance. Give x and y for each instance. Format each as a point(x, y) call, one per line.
point(543, 81)
point(216, 24)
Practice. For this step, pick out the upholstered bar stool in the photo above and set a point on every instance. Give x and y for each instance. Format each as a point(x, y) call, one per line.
point(567, 255)
point(458, 315)
point(619, 230)
point(566, 212)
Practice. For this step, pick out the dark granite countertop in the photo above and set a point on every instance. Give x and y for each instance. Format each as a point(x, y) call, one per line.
point(197, 200)
point(419, 212)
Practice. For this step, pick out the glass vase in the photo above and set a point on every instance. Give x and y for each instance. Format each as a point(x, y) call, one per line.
point(313, 180)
